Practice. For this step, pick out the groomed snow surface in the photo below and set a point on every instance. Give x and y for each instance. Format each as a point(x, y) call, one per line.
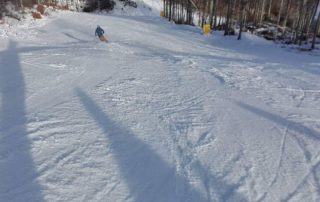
point(159, 114)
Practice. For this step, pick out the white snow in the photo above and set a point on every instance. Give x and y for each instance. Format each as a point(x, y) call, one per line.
point(161, 114)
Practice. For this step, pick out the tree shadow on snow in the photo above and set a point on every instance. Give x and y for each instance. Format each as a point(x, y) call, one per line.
point(301, 131)
point(294, 126)
point(17, 170)
point(148, 176)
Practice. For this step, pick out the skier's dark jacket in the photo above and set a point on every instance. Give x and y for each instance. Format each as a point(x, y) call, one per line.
point(99, 31)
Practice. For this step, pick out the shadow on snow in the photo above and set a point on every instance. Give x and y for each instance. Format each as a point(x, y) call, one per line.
point(294, 126)
point(301, 131)
point(17, 171)
point(150, 178)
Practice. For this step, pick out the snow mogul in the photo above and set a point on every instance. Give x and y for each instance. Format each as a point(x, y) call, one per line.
point(99, 33)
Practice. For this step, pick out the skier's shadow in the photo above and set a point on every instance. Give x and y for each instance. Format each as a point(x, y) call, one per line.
point(17, 171)
point(148, 176)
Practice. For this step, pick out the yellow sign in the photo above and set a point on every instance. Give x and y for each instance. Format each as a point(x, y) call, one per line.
point(161, 13)
point(206, 29)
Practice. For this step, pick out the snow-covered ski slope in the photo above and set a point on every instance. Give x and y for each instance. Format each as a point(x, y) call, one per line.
point(160, 114)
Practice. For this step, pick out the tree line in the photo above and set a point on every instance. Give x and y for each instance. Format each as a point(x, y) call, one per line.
point(299, 18)
point(80, 5)
point(20, 4)
point(29, 3)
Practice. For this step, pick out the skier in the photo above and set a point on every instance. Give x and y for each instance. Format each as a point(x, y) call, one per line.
point(99, 33)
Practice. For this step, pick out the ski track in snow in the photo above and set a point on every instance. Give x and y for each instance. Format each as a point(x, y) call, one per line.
point(161, 113)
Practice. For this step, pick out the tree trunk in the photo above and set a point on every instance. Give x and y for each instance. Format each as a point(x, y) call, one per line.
point(262, 10)
point(287, 13)
point(242, 7)
point(316, 28)
point(215, 14)
point(304, 21)
point(170, 10)
point(279, 14)
point(226, 30)
point(212, 6)
point(269, 10)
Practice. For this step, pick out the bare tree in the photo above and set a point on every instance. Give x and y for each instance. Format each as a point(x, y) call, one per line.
point(279, 14)
point(296, 15)
point(262, 10)
point(243, 5)
point(316, 27)
point(226, 30)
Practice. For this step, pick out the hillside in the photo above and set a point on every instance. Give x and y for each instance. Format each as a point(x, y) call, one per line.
point(161, 113)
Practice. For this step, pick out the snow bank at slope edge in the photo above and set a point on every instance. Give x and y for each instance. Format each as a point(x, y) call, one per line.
point(144, 8)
